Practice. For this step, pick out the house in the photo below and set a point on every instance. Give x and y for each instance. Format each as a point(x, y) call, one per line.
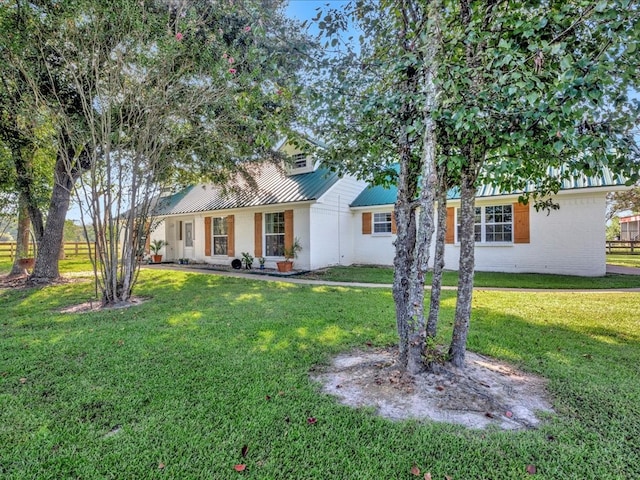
point(344, 221)
point(630, 228)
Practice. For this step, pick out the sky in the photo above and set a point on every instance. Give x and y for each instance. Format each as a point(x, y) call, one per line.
point(306, 9)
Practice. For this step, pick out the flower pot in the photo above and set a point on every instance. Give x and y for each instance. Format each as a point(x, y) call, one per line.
point(156, 258)
point(284, 266)
point(26, 263)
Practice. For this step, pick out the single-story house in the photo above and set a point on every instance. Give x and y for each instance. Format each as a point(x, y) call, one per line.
point(630, 228)
point(340, 220)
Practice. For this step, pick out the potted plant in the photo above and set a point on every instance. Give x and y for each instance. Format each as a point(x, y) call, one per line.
point(155, 247)
point(247, 260)
point(261, 260)
point(290, 253)
point(26, 263)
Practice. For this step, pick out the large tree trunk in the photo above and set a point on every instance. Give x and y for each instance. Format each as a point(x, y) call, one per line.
point(22, 240)
point(466, 236)
point(46, 269)
point(438, 262)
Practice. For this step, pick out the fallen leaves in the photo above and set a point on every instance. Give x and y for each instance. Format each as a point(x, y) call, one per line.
point(23, 380)
point(244, 450)
point(508, 414)
point(415, 470)
point(241, 467)
point(531, 469)
point(312, 420)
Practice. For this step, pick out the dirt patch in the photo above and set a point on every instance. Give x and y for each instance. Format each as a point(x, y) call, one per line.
point(96, 305)
point(485, 393)
point(20, 282)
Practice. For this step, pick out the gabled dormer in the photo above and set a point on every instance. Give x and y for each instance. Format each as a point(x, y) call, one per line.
point(298, 161)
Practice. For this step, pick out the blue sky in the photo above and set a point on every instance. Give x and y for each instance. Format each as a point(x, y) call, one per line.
point(306, 9)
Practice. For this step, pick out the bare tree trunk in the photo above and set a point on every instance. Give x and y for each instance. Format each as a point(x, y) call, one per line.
point(414, 239)
point(428, 186)
point(22, 240)
point(466, 237)
point(438, 261)
point(405, 245)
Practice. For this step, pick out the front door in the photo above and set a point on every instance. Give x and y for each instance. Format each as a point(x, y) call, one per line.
point(188, 239)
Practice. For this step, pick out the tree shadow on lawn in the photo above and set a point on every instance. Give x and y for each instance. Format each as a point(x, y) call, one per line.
point(304, 325)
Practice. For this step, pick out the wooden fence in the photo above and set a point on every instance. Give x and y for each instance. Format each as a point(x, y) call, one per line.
point(623, 247)
point(71, 249)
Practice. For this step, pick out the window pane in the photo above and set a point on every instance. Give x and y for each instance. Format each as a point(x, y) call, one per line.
point(274, 223)
point(220, 245)
point(274, 245)
point(188, 234)
point(220, 226)
point(499, 224)
point(382, 222)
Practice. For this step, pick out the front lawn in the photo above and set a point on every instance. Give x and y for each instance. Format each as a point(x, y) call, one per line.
point(624, 260)
point(212, 372)
point(368, 274)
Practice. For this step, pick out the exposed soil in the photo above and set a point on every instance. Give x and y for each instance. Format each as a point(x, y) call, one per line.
point(485, 393)
point(20, 282)
point(94, 306)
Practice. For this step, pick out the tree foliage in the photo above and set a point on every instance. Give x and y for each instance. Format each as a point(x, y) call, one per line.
point(152, 94)
point(530, 94)
point(623, 201)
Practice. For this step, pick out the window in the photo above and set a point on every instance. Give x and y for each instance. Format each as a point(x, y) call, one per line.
point(274, 234)
point(492, 224)
point(382, 222)
point(220, 236)
point(299, 160)
point(188, 234)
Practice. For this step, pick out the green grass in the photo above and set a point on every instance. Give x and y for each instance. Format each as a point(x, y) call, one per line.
point(209, 364)
point(69, 265)
point(368, 274)
point(624, 260)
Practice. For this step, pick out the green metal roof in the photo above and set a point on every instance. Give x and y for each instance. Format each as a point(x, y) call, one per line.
point(377, 195)
point(273, 186)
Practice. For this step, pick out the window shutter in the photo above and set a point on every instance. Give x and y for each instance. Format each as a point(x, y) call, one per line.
point(180, 230)
point(257, 235)
point(366, 223)
point(207, 236)
point(231, 236)
point(451, 227)
point(521, 223)
point(394, 228)
point(288, 228)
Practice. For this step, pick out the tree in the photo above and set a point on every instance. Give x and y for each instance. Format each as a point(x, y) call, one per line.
point(532, 88)
point(154, 94)
point(613, 229)
point(24, 159)
point(374, 104)
point(626, 200)
point(527, 101)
